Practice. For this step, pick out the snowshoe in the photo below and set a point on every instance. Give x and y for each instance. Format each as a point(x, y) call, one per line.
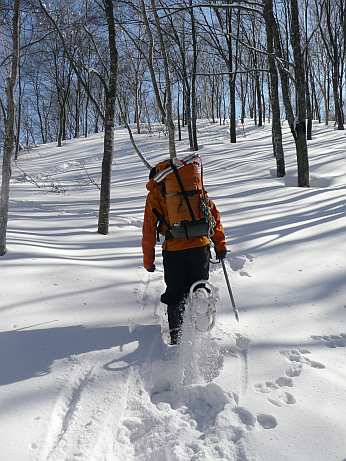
point(202, 305)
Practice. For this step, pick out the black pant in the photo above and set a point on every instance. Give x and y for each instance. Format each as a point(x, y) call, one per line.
point(182, 269)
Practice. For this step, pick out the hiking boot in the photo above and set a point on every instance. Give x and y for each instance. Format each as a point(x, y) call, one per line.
point(175, 336)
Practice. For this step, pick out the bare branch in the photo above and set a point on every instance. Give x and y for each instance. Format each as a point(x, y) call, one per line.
point(138, 152)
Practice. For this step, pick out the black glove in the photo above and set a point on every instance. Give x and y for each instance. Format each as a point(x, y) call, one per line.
point(151, 268)
point(221, 254)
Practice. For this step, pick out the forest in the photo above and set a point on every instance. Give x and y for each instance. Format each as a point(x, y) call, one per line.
point(99, 359)
point(72, 68)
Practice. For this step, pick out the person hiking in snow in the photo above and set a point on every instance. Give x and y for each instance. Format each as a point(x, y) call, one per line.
point(178, 208)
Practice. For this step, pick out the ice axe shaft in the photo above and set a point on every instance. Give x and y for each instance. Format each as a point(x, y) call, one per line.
point(235, 310)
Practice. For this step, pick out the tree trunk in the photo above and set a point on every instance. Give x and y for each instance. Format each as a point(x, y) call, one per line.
point(193, 80)
point(231, 78)
point(96, 125)
point(183, 110)
point(217, 99)
point(9, 141)
point(259, 100)
point(300, 126)
point(314, 98)
point(108, 146)
point(254, 95)
point(243, 101)
point(187, 115)
point(212, 89)
point(61, 122)
point(339, 119)
point(274, 91)
point(308, 110)
point(43, 129)
point(77, 110)
point(328, 98)
point(178, 113)
point(336, 59)
point(137, 106)
point(309, 102)
point(264, 108)
point(86, 115)
point(269, 108)
point(232, 111)
point(19, 117)
point(224, 106)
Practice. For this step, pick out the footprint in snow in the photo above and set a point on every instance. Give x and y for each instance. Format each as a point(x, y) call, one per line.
point(299, 356)
point(284, 381)
point(269, 386)
point(332, 341)
point(267, 421)
point(280, 398)
point(266, 387)
point(285, 398)
point(238, 263)
point(245, 416)
point(294, 370)
point(249, 420)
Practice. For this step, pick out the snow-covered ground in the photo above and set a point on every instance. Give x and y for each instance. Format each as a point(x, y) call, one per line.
point(85, 373)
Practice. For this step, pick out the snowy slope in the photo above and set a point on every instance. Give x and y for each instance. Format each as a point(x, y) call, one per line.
point(85, 371)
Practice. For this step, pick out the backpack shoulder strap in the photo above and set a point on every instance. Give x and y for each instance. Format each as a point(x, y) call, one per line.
point(161, 220)
point(183, 191)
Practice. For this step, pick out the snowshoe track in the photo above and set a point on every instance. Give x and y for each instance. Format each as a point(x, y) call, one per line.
point(85, 418)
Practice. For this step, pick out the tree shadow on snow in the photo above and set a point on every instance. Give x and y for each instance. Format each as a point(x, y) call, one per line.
point(26, 354)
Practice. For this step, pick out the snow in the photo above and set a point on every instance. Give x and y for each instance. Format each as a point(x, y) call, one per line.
point(86, 372)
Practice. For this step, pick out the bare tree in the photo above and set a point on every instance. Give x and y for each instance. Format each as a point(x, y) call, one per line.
point(177, 60)
point(274, 89)
point(109, 119)
point(9, 142)
point(168, 89)
point(300, 123)
point(332, 15)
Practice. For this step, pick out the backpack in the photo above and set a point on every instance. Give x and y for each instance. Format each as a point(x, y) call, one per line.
point(181, 183)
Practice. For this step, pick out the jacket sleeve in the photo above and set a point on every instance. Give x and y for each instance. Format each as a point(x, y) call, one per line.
point(149, 233)
point(218, 237)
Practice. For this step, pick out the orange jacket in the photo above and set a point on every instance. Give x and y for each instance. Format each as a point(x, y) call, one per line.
point(155, 200)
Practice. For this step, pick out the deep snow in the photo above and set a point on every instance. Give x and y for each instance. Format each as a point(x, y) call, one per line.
point(85, 371)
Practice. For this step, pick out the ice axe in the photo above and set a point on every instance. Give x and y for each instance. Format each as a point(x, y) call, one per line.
point(235, 310)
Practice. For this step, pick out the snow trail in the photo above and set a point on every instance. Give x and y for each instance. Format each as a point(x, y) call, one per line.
point(86, 415)
point(77, 396)
point(195, 422)
point(175, 412)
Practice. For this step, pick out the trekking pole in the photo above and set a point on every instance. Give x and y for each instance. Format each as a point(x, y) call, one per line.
point(235, 310)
